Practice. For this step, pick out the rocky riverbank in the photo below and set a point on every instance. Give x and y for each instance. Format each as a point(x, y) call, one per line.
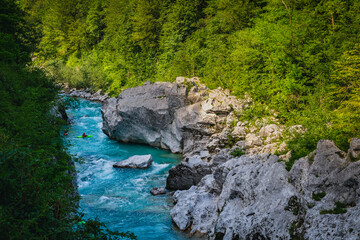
point(187, 117)
point(231, 185)
point(98, 96)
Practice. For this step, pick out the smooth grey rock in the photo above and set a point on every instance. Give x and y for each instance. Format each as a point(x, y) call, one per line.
point(158, 191)
point(136, 161)
point(145, 114)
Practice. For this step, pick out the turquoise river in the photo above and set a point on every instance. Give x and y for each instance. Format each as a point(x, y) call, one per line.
point(119, 197)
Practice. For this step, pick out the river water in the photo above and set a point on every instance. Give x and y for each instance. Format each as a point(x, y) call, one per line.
point(119, 197)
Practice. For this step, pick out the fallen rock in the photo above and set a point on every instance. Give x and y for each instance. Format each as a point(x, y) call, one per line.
point(158, 191)
point(136, 161)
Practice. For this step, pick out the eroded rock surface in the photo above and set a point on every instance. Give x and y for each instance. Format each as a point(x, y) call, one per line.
point(254, 197)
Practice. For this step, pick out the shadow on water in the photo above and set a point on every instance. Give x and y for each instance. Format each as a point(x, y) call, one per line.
point(119, 197)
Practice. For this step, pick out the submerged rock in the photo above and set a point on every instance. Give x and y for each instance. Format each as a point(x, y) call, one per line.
point(158, 191)
point(136, 161)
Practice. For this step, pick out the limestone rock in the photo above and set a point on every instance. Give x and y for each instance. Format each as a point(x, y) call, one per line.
point(253, 140)
point(87, 94)
point(136, 161)
point(296, 129)
point(254, 197)
point(180, 116)
point(58, 109)
point(239, 132)
point(244, 198)
point(270, 130)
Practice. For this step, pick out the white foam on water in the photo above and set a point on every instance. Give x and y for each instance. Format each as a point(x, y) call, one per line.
point(106, 169)
point(102, 199)
point(156, 167)
point(83, 184)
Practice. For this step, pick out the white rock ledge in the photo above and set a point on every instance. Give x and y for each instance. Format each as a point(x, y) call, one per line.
point(136, 161)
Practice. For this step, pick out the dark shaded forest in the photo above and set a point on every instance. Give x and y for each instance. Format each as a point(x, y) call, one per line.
point(37, 197)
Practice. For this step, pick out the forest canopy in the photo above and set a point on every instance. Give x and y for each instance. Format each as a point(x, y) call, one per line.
point(297, 57)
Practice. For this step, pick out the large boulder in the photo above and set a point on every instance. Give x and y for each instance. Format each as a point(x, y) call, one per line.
point(136, 161)
point(179, 116)
point(145, 114)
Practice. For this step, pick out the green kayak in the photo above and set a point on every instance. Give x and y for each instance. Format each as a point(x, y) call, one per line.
point(85, 137)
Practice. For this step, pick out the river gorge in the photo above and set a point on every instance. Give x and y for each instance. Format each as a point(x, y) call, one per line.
point(119, 197)
point(233, 181)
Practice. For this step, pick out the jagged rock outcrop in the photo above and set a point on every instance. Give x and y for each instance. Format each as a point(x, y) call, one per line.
point(88, 94)
point(136, 161)
point(254, 197)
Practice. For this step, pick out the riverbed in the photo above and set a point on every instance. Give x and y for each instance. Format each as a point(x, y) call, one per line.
point(119, 197)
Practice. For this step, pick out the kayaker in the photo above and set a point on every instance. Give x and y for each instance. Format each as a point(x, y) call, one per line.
point(84, 135)
point(66, 132)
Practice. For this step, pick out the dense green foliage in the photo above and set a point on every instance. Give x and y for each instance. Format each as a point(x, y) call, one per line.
point(37, 197)
point(300, 58)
